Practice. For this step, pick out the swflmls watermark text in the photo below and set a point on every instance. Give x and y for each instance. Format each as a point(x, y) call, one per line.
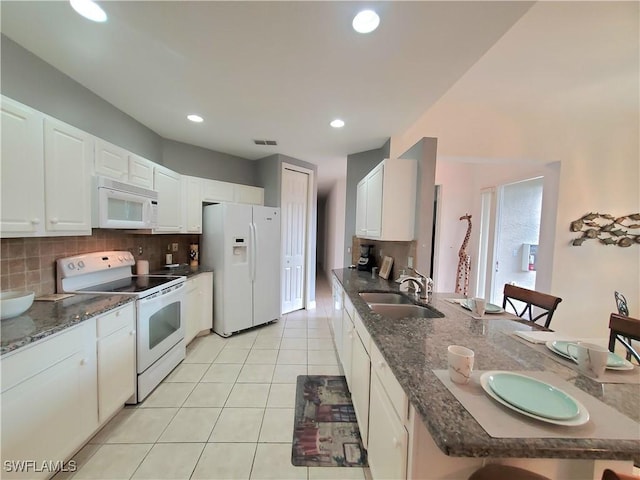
point(39, 466)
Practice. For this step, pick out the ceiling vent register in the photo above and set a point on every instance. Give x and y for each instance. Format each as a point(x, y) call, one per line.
point(265, 142)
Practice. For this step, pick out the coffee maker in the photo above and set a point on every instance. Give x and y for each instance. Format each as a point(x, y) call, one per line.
point(367, 259)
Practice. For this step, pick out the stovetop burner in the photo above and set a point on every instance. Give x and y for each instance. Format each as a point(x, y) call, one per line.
point(133, 284)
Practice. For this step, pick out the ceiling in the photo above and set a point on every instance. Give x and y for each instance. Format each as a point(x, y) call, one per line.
point(267, 70)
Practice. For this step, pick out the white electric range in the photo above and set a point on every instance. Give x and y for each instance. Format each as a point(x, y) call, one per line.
point(159, 308)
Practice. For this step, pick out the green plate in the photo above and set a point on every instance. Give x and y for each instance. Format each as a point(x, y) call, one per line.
point(534, 396)
point(613, 361)
point(488, 308)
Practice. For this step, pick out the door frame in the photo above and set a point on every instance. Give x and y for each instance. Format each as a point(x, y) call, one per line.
point(307, 302)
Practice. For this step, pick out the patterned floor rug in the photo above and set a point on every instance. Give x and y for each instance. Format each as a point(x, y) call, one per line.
point(325, 431)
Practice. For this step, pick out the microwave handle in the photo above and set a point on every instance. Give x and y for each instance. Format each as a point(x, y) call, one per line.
point(148, 212)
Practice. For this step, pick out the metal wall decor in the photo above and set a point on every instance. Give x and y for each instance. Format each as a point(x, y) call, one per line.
point(607, 229)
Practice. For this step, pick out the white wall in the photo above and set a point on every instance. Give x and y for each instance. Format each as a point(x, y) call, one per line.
point(527, 100)
point(334, 225)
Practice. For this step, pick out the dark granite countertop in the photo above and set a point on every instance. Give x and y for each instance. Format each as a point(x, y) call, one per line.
point(413, 347)
point(184, 270)
point(46, 318)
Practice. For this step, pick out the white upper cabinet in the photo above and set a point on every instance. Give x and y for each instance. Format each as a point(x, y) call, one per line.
point(140, 171)
point(386, 201)
point(217, 191)
point(191, 204)
point(248, 194)
point(111, 161)
point(68, 155)
point(168, 185)
point(22, 170)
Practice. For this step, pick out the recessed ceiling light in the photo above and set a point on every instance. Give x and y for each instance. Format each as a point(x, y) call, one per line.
point(195, 118)
point(337, 123)
point(89, 9)
point(366, 21)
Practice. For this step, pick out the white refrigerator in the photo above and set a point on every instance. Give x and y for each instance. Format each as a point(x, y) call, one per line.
point(242, 245)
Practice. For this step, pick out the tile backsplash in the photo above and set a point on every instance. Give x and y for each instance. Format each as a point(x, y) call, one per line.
point(30, 263)
point(399, 251)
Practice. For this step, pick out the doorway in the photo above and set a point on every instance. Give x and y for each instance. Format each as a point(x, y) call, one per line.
point(295, 205)
point(509, 236)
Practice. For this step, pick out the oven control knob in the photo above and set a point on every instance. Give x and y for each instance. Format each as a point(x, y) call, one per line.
point(80, 264)
point(71, 266)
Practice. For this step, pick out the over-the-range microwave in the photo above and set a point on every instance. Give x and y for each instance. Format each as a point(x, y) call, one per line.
point(121, 205)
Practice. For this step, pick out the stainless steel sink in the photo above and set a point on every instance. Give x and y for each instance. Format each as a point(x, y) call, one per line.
point(397, 311)
point(385, 297)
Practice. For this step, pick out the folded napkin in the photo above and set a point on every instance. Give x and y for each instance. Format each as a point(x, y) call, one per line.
point(540, 337)
point(455, 300)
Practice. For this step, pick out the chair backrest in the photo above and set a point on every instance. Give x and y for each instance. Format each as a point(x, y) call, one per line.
point(624, 328)
point(531, 299)
point(621, 303)
point(611, 475)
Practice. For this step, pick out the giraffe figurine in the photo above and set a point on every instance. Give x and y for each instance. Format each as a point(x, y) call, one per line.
point(464, 261)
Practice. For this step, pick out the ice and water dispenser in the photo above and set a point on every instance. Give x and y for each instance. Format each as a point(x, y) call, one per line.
point(239, 250)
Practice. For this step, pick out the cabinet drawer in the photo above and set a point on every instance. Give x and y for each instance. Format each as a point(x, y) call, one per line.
point(115, 320)
point(395, 392)
point(348, 307)
point(363, 333)
point(31, 360)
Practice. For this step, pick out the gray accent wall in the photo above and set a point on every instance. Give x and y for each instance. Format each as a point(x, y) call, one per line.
point(268, 176)
point(201, 162)
point(30, 80)
point(358, 165)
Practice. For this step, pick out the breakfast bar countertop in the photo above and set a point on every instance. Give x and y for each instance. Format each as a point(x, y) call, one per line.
point(414, 347)
point(46, 318)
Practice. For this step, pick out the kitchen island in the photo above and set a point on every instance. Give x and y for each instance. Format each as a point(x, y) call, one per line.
point(414, 347)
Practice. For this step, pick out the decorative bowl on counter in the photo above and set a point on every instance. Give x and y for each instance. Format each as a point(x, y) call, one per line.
point(13, 304)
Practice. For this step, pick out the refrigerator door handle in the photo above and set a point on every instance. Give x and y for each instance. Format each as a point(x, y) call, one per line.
point(254, 239)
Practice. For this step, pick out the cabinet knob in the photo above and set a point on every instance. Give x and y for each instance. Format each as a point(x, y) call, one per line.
point(54, 220)
point(132, 333)
point(395, 442)
point(118, 313)
point(35, 221)
point(83, 361)
point(381, 364)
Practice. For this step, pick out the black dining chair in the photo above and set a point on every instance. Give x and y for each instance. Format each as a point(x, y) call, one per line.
point(624, 329)
point(623, 309)
point(530, 298)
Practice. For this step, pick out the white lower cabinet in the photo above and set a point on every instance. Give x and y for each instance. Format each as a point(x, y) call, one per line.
point(388, 438)
point(116, 349)
point(336, 316)
point(198, 305)
point(49, 401)
point(360, 379)
point(348, 333)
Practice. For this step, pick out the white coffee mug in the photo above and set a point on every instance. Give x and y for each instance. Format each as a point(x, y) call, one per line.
point(591, 358)
point(479, 306)
point(460, 362)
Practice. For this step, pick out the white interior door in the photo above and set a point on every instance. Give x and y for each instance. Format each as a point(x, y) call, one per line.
point(294, 227)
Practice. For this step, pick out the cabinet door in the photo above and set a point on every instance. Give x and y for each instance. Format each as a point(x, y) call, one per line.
point(336, 317)
point(22, 170)
point(49, 415)
point(167, 183)
point(360, 378)
point(192, 204)
point(347, 346)
point(388, 439)
point(68, 155)
point(140, 171)
point(361, 208)
point(111, 161)
point(248, 194)
point(216, 191)
point(374, 202)
point(191, 310)
point(116, 361)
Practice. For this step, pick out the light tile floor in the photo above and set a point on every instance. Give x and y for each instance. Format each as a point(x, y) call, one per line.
point(226, 412)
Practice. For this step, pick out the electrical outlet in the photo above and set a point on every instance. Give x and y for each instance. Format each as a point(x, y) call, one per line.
point(140, 250)
point(174, 247)
point(381, 253)
point(410, 262)
point(348, 249)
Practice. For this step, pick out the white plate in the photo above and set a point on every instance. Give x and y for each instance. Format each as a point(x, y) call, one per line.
point(581, 419)
point(489, 308)
point(560, 350)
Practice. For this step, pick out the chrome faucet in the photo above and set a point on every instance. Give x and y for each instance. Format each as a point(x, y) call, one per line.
point(423, 285)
